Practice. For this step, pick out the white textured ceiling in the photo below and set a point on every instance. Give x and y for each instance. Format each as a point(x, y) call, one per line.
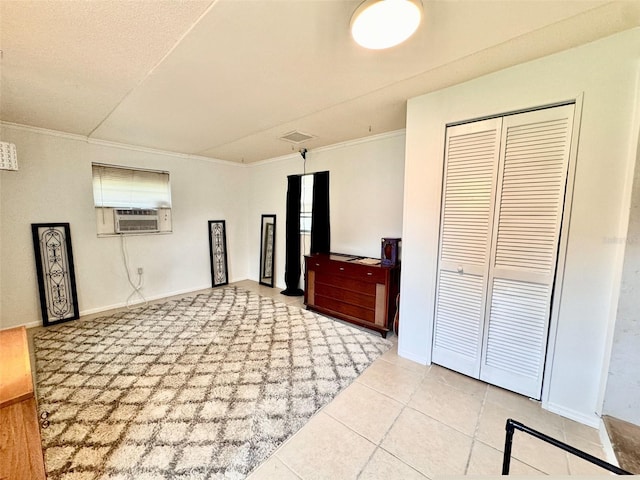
point(224, 79)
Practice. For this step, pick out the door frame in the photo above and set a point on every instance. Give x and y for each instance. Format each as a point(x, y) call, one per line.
point(556, 295)
point(556, 298)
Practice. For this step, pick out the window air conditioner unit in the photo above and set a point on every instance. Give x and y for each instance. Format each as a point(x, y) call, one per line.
point(136, 220)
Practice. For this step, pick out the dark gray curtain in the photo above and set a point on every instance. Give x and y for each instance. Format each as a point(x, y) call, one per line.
point(320, 228)
point(292, 227)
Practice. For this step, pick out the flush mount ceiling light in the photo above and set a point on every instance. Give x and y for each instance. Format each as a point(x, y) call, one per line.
point(378, 24)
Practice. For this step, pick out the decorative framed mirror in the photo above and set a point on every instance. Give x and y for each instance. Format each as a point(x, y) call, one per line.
point(267, 250)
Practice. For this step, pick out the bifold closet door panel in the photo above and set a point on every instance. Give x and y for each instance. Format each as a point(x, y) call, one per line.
point(471, 165)
point(530, 201)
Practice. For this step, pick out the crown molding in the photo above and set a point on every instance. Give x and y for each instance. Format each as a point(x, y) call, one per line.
point(346, 143)
point(123, 146)
point(187, 156)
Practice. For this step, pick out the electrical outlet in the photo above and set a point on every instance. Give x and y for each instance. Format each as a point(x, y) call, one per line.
point(140, 270)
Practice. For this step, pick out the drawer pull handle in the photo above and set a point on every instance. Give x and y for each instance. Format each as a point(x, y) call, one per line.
point(460, 269)
point(342, 269)
point(317, 264)
point(369, 273)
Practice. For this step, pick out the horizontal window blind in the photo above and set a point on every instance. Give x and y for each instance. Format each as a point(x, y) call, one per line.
point(121, 187)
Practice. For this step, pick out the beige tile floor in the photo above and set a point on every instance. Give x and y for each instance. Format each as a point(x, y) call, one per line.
point(403, 420)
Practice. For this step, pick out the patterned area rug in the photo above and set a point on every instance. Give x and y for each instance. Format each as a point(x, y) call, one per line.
point(203, 387)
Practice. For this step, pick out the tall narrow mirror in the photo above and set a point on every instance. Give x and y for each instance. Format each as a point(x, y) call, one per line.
point(267, 249)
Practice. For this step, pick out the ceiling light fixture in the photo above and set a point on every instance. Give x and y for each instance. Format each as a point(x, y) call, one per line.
point(378, 24)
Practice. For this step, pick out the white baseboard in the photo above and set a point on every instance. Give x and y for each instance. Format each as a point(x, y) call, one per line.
point(26, 325)
point(414, 357)
point(589, 420)
point(606, 445)
point(115, 306)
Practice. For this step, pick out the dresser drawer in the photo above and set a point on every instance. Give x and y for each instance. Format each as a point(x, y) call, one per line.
point(354, 297)
point(318, 264)
point(366, 272)
point(348, 269)
point(362, 313)
point(346, 283)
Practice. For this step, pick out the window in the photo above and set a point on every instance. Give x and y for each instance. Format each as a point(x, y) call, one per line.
point(306, 203)
point(306, 208)
point(120, 187)
point(130, 200)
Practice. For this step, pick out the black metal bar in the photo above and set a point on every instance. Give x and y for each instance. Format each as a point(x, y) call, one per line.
point(508, 440)
point(510, 427)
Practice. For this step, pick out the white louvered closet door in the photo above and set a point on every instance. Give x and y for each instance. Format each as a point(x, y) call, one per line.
point(530, 197)
point(471, 165)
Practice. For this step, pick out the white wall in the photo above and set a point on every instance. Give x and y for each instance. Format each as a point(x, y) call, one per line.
point(622, 399)
point(606, 73)
point(54, 185)
point(366, 184)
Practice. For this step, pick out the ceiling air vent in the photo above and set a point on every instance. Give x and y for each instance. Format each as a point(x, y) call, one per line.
point(296, 137)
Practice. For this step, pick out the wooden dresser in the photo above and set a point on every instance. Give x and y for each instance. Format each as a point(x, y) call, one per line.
point(20, 445)
point(344, 287)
